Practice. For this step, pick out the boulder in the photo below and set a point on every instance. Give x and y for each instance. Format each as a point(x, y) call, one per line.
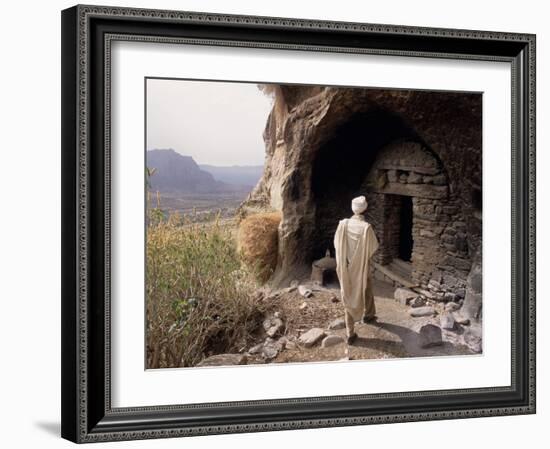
point(428, 294)
point(224, 360)
point(331, 340)
point(270, 351)
point(422, 311)
point(290, 345)
point(311, 337)
point(447, 321)
point(452, 306)
point(273, 326)
point(461, 319)
point(404, 295)
point(256, 349)
point(473, 338)
point(304, 291)
point(338, 323)
point(430, 335)
point(449, 297)
point(419, 301)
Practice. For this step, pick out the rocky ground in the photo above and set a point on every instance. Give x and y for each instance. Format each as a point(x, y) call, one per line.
point(308, 325)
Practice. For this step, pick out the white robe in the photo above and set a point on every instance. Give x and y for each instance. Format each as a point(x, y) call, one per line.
point(355, 243)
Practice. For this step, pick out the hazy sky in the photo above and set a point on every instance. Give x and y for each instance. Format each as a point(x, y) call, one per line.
point(215, 122)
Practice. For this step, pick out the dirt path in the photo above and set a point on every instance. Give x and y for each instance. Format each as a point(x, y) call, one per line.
point(394, 334)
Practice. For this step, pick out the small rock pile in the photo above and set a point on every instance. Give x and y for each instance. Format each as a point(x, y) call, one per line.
point(451, 324)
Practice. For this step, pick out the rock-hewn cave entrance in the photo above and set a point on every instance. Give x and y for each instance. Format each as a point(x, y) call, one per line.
point(376, 154)
point(325, 145)
point(341, 167)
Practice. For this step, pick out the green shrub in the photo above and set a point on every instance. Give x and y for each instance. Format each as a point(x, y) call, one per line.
point(199, 298)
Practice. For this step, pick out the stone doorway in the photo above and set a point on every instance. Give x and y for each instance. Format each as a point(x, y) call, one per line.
point(407, 190)
point(405, 247)
point(392, 216)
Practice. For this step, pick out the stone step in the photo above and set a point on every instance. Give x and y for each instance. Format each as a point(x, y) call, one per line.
point(404, 266)
point(400, 273)
point(392, 276)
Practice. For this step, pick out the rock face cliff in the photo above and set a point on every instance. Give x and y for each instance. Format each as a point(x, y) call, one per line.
point(402, 149)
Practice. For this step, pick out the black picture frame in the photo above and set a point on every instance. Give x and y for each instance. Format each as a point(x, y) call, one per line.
point(87, 415)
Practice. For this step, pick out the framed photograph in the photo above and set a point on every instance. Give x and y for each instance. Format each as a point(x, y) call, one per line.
point(276, 224)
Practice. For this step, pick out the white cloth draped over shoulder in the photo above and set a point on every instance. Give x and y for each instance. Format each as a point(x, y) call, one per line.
point(355, 243)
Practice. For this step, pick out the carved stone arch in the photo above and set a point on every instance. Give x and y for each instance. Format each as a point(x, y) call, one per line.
point(408, 168)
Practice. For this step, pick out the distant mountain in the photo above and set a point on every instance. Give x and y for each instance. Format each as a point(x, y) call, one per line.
point(239, 175)
point(177, 173)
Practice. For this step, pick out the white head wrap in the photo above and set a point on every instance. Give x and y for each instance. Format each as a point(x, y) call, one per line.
point(359, 205)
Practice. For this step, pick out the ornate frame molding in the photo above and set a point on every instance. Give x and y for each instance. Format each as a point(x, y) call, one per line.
point(86, 419)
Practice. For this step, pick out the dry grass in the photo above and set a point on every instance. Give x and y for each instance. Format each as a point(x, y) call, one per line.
point(258, 239)
point(199, 298)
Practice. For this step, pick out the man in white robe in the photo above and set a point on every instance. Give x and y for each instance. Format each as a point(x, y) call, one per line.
point(355, 243)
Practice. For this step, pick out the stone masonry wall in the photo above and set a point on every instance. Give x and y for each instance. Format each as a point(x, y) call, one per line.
point(441, 257)
point(383, 214)
point(440, 260)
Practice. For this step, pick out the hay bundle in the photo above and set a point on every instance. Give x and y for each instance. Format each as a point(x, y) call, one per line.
point(257, 242)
